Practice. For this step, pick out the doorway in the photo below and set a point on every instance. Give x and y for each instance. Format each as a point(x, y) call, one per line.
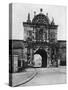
point(43, 54)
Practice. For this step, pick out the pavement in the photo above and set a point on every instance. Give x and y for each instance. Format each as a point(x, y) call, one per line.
point(23, 77)
point(48, 76)
point(52, 69)
point(40, 76)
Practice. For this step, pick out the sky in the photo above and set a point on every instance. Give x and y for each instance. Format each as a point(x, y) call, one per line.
point(20, 13)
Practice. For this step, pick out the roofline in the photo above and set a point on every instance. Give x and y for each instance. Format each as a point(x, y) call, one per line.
point(24, 40)
point(61, 40)
point(15, 40)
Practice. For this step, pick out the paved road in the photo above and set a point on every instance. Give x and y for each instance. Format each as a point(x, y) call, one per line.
point(45, 77)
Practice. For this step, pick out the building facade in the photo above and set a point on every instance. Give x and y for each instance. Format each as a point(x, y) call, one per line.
point(40, 35)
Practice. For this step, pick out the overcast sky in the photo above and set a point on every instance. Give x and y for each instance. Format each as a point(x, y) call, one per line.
point(20, 13)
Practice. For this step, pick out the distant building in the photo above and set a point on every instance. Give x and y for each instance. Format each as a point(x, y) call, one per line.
point(62, 52)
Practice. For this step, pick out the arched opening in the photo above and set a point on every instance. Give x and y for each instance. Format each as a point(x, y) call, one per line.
point(43, 54)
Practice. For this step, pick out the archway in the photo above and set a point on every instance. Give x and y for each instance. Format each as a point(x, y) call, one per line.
point(43, 54)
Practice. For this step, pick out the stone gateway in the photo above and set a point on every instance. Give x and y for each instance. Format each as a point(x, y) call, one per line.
point(40, 35)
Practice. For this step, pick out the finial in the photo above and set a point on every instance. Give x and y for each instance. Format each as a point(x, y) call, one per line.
point(41, 9)
point(28, 16)
point(34, 13)
point(46, 14)
point(52, 21)
point(28, 20)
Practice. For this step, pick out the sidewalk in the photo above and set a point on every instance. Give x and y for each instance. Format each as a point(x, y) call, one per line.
point(23, 77)
point(53, 69)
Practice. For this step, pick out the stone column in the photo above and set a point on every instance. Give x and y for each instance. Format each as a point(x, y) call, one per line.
point(49, 57)
point(31, 51)
point(28, 54)
point(32, 56)
point(47, 36)
point(43, 35)
point(56, 57)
